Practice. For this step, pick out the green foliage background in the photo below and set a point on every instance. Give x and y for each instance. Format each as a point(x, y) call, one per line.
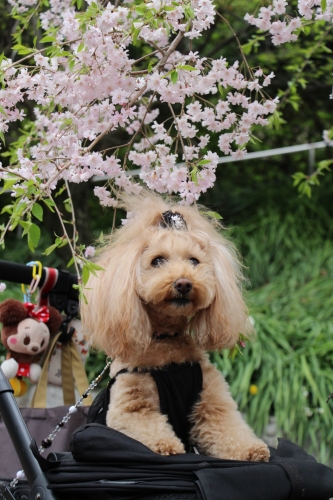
point(289, 254)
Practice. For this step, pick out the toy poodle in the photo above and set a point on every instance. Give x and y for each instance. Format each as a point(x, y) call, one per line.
point(170, 291)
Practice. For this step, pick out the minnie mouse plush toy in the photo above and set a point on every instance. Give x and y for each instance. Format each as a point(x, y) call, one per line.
point(26, 335)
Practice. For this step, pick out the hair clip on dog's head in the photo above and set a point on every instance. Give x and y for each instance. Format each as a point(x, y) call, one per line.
point(173, 220)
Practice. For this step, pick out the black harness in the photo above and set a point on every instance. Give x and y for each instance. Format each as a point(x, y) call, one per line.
point(179, 387)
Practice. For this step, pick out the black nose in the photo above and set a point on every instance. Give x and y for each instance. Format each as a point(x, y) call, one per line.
point(34, 349)
point(183, 286)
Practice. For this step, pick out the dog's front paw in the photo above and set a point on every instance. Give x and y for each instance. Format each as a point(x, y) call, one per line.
point(258, 452)
point(168, 447)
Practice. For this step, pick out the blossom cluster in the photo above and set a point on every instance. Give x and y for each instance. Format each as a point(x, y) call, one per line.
point(284, 31)
point(89, 87)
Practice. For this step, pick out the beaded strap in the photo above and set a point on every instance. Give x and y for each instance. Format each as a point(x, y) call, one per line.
point(47, 442)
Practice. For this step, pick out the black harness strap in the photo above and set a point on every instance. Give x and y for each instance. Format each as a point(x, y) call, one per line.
point(98, 410)
point(179, 387)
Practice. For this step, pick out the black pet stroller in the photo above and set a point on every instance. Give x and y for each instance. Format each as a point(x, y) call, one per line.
point(104, 464)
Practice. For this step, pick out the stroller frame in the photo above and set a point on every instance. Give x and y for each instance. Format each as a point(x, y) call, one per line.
point(24, 446)
point(65, 298)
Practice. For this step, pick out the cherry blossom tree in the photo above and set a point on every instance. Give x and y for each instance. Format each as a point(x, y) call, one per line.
point(110, 67)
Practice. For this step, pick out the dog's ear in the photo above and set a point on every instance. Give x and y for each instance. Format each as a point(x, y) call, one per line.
point(220, 325)
point(113, 315)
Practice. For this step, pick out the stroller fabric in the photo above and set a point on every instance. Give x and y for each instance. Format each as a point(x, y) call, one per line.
point(108, 465)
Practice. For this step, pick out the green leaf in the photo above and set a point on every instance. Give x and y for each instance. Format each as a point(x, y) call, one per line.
point(141, 9)
point(48, 39)
point(186, 67)
point(8, 184)
point(71, 262)
point(80, 47)
point(325, 164)
point(33, 236)
point(189, 12)
point(150, 14)
point(213, 215)
point(37, 211)
point(95, 267)
point(203, 162)
point(7, 209)
point(85, 274)
point(60, 191)
point(50, 249)
point(26, 226)
point(174, 76)
point(21, 49)
point(150, 66)
point(79, 3)
point(252, 44)
point(30, 245)
point(298, 178)
point(194, 175)
point(234, 351)
point(323, 5)
point(68, 206)
point(24, 52)
point(50, 204)
point(254, 139)
point(3, 112)
point(135, 35)
point(89, 267)
point(80, 289)
point(71, 64)
point(61, 242)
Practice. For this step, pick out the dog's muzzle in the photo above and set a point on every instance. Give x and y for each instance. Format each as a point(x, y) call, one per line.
point(183, 287)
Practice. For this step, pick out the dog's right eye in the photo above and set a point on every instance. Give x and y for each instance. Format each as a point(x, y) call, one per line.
point(158, 261)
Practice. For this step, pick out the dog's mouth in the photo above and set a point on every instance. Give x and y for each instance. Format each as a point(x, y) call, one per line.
point(180, 301)
point(164, 335)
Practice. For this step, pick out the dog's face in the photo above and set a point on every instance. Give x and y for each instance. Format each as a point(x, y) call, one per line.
point(175, 276)
point(168, 270)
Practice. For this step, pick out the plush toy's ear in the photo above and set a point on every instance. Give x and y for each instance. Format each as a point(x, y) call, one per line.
point(12, 311)
point(54, 323)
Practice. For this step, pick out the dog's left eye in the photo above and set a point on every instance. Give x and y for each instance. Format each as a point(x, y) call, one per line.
point(194, 261)
point(158, 261)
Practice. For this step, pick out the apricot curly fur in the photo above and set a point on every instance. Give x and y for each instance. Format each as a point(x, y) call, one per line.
point(165, 296)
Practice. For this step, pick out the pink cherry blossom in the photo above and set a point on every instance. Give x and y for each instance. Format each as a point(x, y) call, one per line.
point(93, 88)
point(89, 252)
